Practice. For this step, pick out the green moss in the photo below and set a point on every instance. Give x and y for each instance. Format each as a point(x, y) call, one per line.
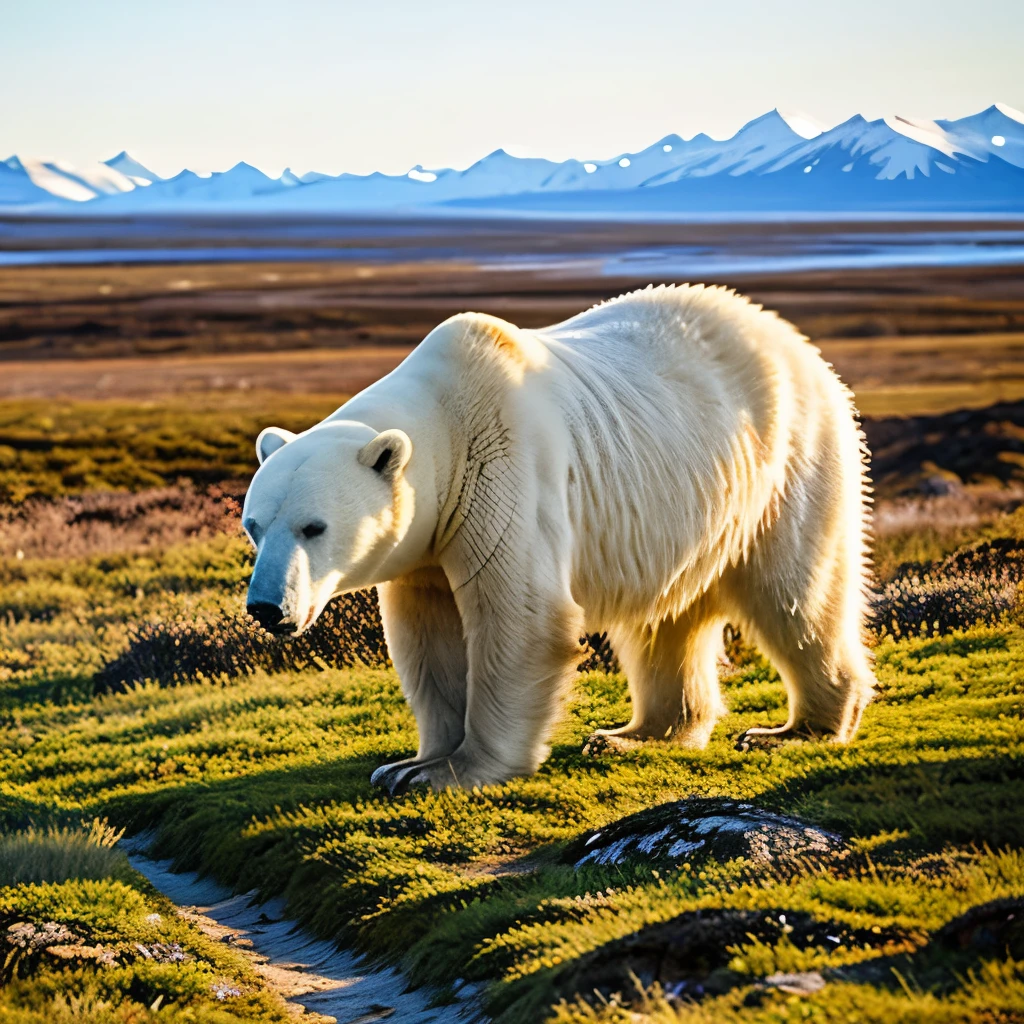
point(265, 784)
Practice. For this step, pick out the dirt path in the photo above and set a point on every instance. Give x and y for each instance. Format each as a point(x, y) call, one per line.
point(320, 981)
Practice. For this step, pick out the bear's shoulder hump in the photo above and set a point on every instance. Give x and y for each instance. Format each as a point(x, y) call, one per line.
point(480, 332)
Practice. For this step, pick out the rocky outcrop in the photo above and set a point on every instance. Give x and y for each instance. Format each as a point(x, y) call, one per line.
point(673, 833)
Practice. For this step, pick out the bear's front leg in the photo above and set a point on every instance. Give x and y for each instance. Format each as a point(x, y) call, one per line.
point(523, 649)
point(423, 630)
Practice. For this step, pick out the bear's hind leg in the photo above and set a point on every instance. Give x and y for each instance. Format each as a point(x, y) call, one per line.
point(424, 634)
point(821, 659)
point(673, 679)
point(702, 695)
point(828, 692)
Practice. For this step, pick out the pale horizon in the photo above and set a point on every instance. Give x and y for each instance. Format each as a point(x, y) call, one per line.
point(336, 87)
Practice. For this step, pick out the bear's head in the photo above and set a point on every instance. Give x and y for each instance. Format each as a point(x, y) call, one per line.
point(324, 511)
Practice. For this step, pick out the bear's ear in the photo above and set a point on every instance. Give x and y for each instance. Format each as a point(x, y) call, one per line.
point(387, 453)
point(270, 440)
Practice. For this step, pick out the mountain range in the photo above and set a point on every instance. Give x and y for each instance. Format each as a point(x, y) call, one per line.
point(777, 163)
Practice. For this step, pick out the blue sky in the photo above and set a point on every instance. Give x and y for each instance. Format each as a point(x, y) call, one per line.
point(383, 85)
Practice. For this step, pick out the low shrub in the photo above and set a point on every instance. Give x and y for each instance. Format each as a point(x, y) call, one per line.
point(981, 584)
point(177, 651)
point(109, 951)
point(51, 449)
point(58, 854)
point(103, 522)
point(264, 784)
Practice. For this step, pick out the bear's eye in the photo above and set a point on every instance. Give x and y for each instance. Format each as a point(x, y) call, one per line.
point(312, 530)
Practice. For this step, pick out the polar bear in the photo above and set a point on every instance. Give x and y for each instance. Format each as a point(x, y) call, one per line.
point(659, 465)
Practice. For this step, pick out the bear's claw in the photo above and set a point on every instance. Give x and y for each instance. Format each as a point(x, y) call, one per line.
point(456, 770)
point(602, 742)
point(761, 738)
point(398, 777)
point(597, 744)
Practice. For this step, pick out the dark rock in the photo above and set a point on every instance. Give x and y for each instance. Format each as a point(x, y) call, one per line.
point(995, 925)
point(940, 962)
point(689, 956)
point(673, 833)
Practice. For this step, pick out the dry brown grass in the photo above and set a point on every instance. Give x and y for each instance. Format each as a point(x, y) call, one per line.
point(100, 522)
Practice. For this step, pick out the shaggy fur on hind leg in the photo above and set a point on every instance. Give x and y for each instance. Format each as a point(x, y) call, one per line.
point(673, 680)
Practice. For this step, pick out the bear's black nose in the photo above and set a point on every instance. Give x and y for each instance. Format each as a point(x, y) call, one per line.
point(266, 614)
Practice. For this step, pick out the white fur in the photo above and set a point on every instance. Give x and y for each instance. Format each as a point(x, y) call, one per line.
point(658, 465)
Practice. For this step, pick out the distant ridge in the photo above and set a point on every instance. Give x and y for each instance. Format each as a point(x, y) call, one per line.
point(778, 162)
point(127, 165)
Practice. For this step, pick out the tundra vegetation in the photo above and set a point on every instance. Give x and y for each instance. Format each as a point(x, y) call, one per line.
point(134, 695)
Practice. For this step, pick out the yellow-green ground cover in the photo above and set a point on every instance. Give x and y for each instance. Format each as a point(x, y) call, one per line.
point(263, 781)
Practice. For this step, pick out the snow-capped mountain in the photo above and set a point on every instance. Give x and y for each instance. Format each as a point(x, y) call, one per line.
point(17, 189)
point(751, 149)
point(188, 190)
point(998, 131)
point(127, 165)
point(882, 150)
point(896, 147)
point(37, 181)
point(64, 181)
point(778, 162)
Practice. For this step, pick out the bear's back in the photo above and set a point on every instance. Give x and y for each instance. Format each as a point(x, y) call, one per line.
point(675, 327)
